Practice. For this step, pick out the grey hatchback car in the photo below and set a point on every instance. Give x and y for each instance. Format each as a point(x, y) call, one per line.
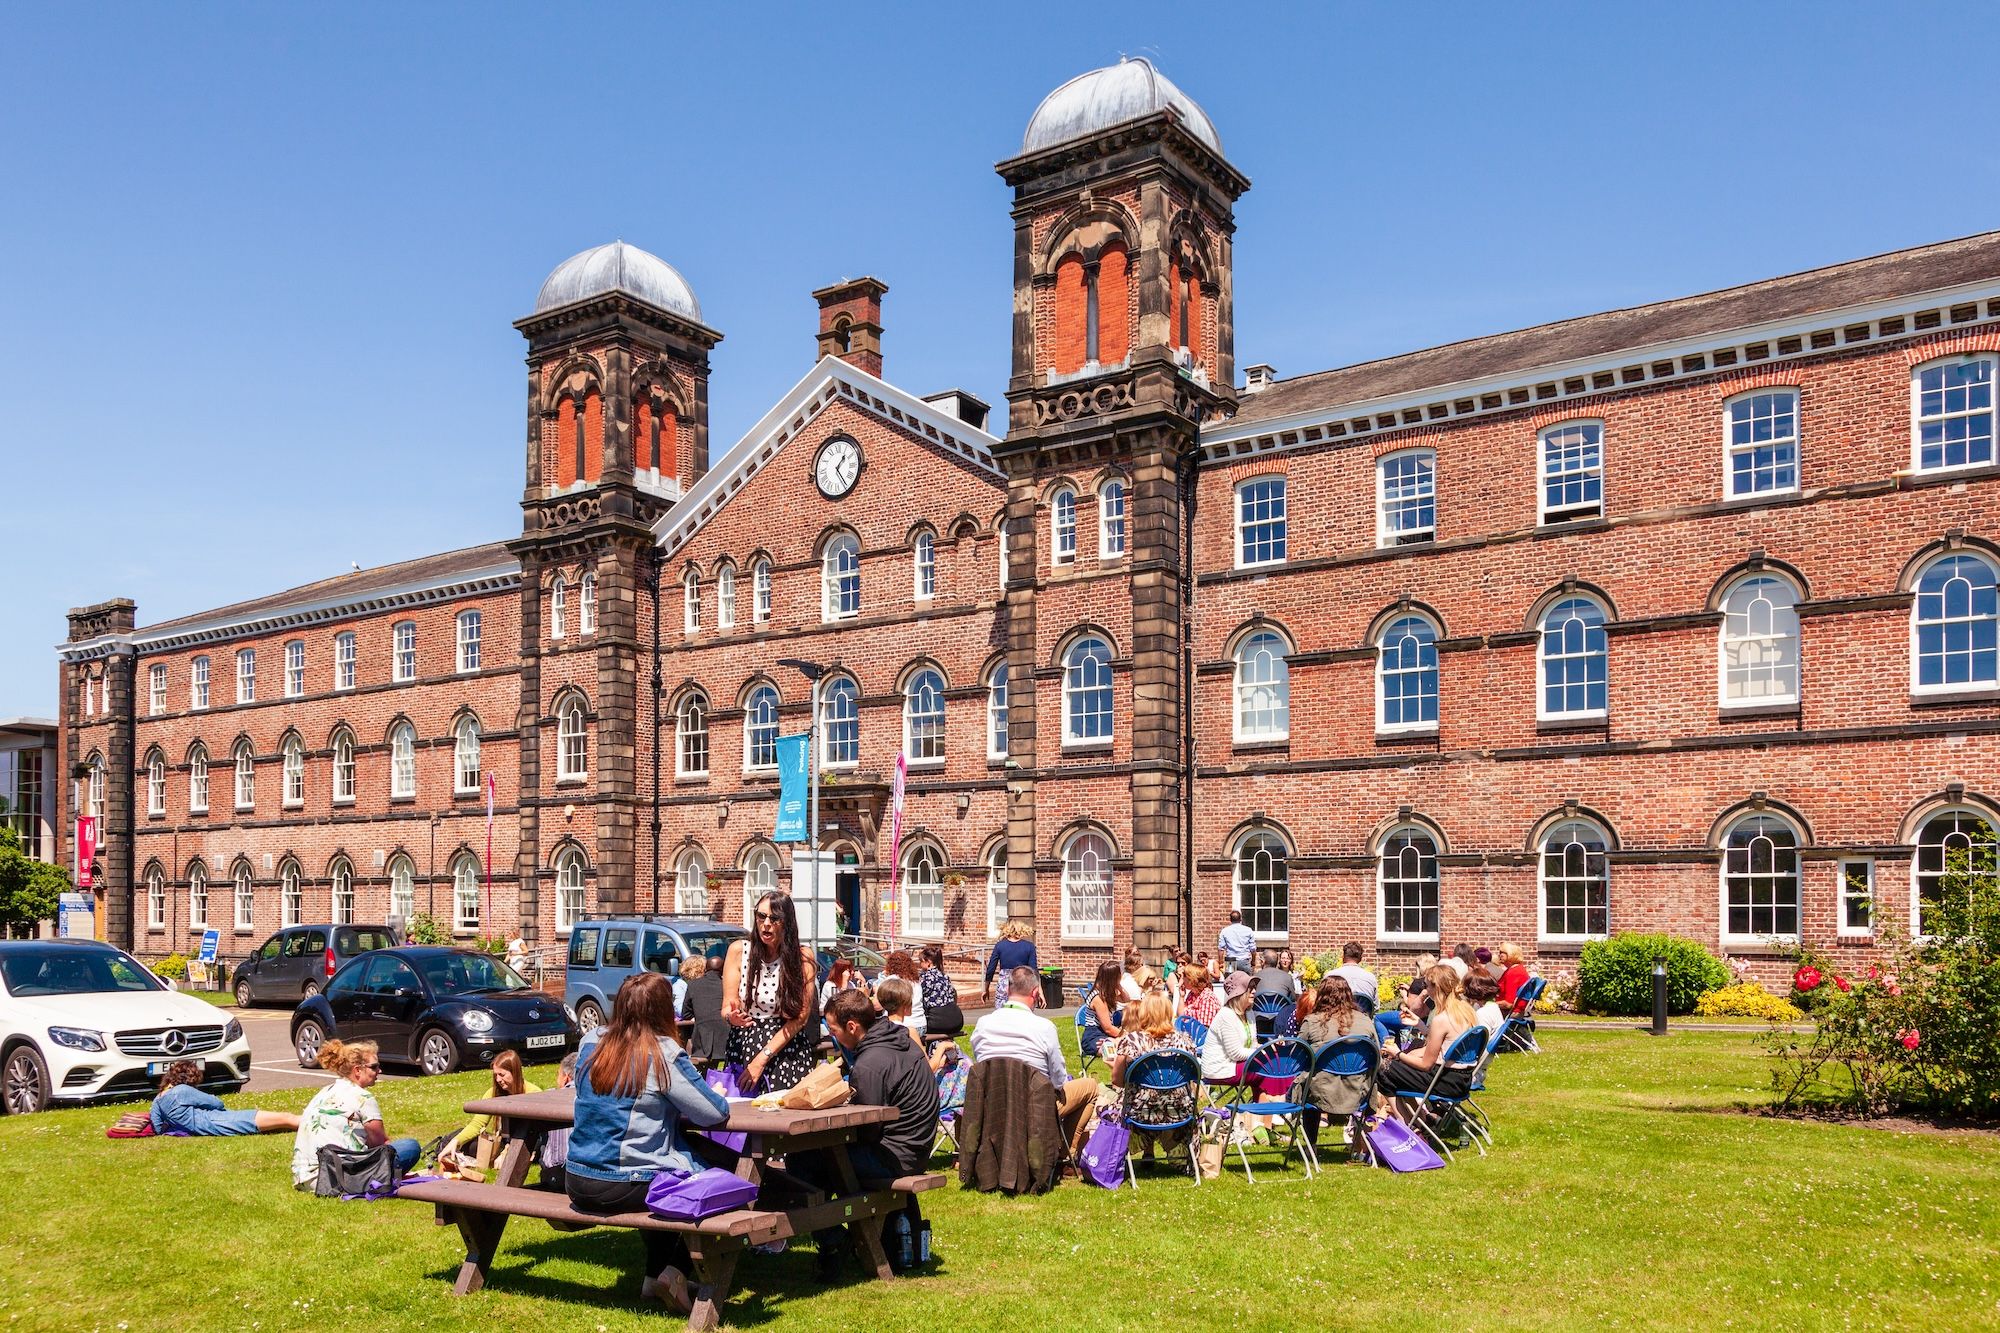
point(605, 951)
point(295, 963)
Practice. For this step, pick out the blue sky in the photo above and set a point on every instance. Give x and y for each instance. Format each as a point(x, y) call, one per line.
point(258, 264)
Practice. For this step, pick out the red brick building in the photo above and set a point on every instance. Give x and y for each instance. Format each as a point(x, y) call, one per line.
point(1677, 617)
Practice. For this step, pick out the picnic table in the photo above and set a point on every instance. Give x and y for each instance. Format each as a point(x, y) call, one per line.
point(786, 1206)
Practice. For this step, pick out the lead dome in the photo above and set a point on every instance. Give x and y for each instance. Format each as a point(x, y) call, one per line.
point(1128, 90)
point(618, 267)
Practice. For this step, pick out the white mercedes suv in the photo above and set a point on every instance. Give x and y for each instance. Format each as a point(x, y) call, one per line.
point(80, 1020)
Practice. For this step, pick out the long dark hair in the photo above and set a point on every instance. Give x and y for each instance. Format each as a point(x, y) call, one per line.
point(1109, 974)
point(790, 962)
point(641, 1013)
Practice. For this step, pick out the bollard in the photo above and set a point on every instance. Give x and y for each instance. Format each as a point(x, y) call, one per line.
point(1659, 997)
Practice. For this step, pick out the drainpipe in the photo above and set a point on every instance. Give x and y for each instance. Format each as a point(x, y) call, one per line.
point(653, 587)
point(1188, 478)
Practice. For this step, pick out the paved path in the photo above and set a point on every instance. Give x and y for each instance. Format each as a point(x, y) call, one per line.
point(273, 1064)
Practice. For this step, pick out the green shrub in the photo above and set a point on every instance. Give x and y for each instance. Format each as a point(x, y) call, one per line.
point(1615, 976)
point(426, 929)
point(174, 967)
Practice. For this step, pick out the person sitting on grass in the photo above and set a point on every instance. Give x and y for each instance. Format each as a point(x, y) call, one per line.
point(180, 1106)
point(635, 1087)
point(1227, 1046)
point(1100, 1022)
point(1197, 999)
point(1411, 1070)
point(1482, 992)
point(1149, 1026)
point(508, 1081)
point(344, 1113)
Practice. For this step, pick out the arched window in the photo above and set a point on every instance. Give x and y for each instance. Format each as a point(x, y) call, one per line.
point(1576, 882)
point(1760, 643)
point(760, 876)
point(402, 889)
point(840, 723)
point(760, 729)
point(403, 650)
point(691, 601)
point(1111, 520)
point(725, 597)
point(291, 897)
point(156, 898)
point(246, 897)
point(1263, 688)
point(1263, 883)
point(465, 892)
point(996, 711)
point(1762, 443)
point(343, 766)
point(569, 889)
point(1952, 402)
point(760, 590)
point(1955, 630)
point(923, 718)
point(465, 754)
point(691, 738)
point(840, 578)
point(1000, 532)
point(295, 772)
point(1575, 660)
point(198, 896)
point(402, 760)
point(1760, 879)
point(1406, 676)
point(95, 792)
point(156, 784)
point(558, 607)
point(1407, 885)
point(1087, 692)
point(468, 641)
point(691, 882)
point(246, 776)
point(586, 603)
point(572, 747)
point(198, 780)
point(923, 573)
point(1086, 888)
point(1062, 526)
point(342, 875)
point(343, 660)
point(996, 889)
point(923, 892)
point(1944, 838)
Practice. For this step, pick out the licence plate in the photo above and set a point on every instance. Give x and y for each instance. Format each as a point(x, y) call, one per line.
point(154, 1068)
point(555, 1039)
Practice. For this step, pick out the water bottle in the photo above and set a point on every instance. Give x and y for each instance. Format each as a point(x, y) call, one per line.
point(900, 1242)
point(924, 1241)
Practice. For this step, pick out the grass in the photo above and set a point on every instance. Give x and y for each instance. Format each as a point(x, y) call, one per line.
point(1617, 1196)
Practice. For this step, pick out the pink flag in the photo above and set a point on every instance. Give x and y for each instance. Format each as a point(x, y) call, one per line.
point(486, 904)
point(895, 838)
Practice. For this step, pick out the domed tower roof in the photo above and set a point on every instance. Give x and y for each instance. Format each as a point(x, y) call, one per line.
point(1128, 90)
point(618, 267)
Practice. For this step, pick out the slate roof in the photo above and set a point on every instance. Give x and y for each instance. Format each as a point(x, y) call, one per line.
point(355, 585)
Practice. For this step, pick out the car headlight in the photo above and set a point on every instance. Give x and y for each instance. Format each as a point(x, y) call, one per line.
point(77, 1039)
point(476, 1020)
point(234, 1032)
point(570, 1014)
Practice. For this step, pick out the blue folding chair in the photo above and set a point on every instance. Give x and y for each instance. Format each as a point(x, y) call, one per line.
point(1475, 1114)
point(1272, 1013)
point(1365, 1003)
point(1193, 1029)
point(1163, 1071)
point(1522, 1038)
point(1348, 1057)
point(1468, 1052)
point(1286, 1060)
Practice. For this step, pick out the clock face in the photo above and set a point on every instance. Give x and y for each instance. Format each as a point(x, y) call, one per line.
point(838, 464)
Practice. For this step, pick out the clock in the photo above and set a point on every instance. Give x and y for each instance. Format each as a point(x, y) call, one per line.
point(837, 466)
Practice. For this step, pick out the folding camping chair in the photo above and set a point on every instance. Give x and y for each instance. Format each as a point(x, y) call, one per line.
point(1193, 1029)
point(1281, 1060)
point(1346, 1057)
point(1521, 1015)
point(1163, 1071)
point(1469, 1051)
point(1272, 1012)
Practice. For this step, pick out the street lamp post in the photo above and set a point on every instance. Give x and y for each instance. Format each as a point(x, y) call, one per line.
point(812, 671)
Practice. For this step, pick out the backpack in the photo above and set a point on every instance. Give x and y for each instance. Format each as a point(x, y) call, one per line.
point(370, 1173)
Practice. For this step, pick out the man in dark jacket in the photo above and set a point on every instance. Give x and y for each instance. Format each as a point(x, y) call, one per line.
point(887, 1069)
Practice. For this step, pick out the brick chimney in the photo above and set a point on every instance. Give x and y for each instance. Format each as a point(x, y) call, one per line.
point(850, 322)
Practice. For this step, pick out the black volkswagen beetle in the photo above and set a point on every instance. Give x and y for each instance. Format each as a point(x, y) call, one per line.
point(439, 1009)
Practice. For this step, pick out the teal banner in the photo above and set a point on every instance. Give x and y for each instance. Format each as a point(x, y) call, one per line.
point(791, 790)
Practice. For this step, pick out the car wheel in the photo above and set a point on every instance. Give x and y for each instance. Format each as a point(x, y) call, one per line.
point(307, 1038)
point(589, 1016)
point(24, 1081)
point(437, 1053)
point(243, 994)
point(312, 989)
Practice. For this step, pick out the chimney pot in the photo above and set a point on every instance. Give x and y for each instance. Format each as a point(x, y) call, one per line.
point(850, 322)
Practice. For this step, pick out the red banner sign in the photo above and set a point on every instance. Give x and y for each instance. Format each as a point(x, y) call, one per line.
point(86, 848)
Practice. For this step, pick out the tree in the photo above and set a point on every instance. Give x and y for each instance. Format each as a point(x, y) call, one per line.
point(28, 887)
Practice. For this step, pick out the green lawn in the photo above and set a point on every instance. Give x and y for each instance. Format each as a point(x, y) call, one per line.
point(1617, 1196)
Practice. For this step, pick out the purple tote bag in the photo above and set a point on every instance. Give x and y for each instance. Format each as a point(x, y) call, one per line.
point(727, 1080)
point(704, 1194)
point(1103, 1157)
point(1397, 1146)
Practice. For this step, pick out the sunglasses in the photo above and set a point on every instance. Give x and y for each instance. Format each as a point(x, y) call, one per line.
point(767, 916)
point(376, 1068)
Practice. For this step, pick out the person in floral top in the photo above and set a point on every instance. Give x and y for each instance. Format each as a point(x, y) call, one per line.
point(1149, 1026)
point(943, 1017)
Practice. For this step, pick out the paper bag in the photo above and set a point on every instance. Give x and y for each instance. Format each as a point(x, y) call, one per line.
point(484, 1149)
point(819, 1090)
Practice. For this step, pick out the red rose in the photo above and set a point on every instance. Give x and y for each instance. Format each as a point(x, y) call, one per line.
point(1806, 978)
point(1841, 983)
point(1873, 971)
point(1910, 1039)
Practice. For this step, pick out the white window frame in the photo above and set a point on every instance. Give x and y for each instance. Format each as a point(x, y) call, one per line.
point(1062, 526)
point(753, 724)
point(996, 890)
point(243, 761)
point(1255, 843)
point(760, 591)
point(403, 654)
point(295, 668)
point(834, 580)
point(1545, 474)
point(1845, 897)
point(586, 603)
point(1751, 940)
point(1000, 530)
point(996, 711)
point(1281, 518)
point(829, 692)
point(1382, 932)
point(246, 675)
point(572, 741)
point(291, 894)
point(156, 689)
point(244, 897)
point(341, 897)
point(725, 597)
point(198, 780)
point(197, 896)
point(690, 602)
point(691, 738)
point(292, 787)
point(465, 905)
point(468, 623)
point(569, 889)
point(402, 762)
point(402, 888)
point(1422, 726)
point(691, 871)
point(344, 651)
point(96, 788)
point(465, 746)
point(760, 876)
point(198, 683)
point(1073, 687)
point(1111, 529)
point(1542, 712)
point(1917, 872)
point(1917, 418)
point(923, 913)
point(1731, 450)
point(156, 784)
point(1074, 872)
point(923, 566)
point(1781, 643)
point(1276, 680)
point(343, 767)
point(1387, 536)
point(1542, 880)
point(156, 899)
point(921, 730)
point(558, 607)
point(1977, 684)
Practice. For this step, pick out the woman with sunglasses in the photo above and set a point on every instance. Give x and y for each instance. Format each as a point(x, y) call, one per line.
point(767, 997)
point(344, 1114)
